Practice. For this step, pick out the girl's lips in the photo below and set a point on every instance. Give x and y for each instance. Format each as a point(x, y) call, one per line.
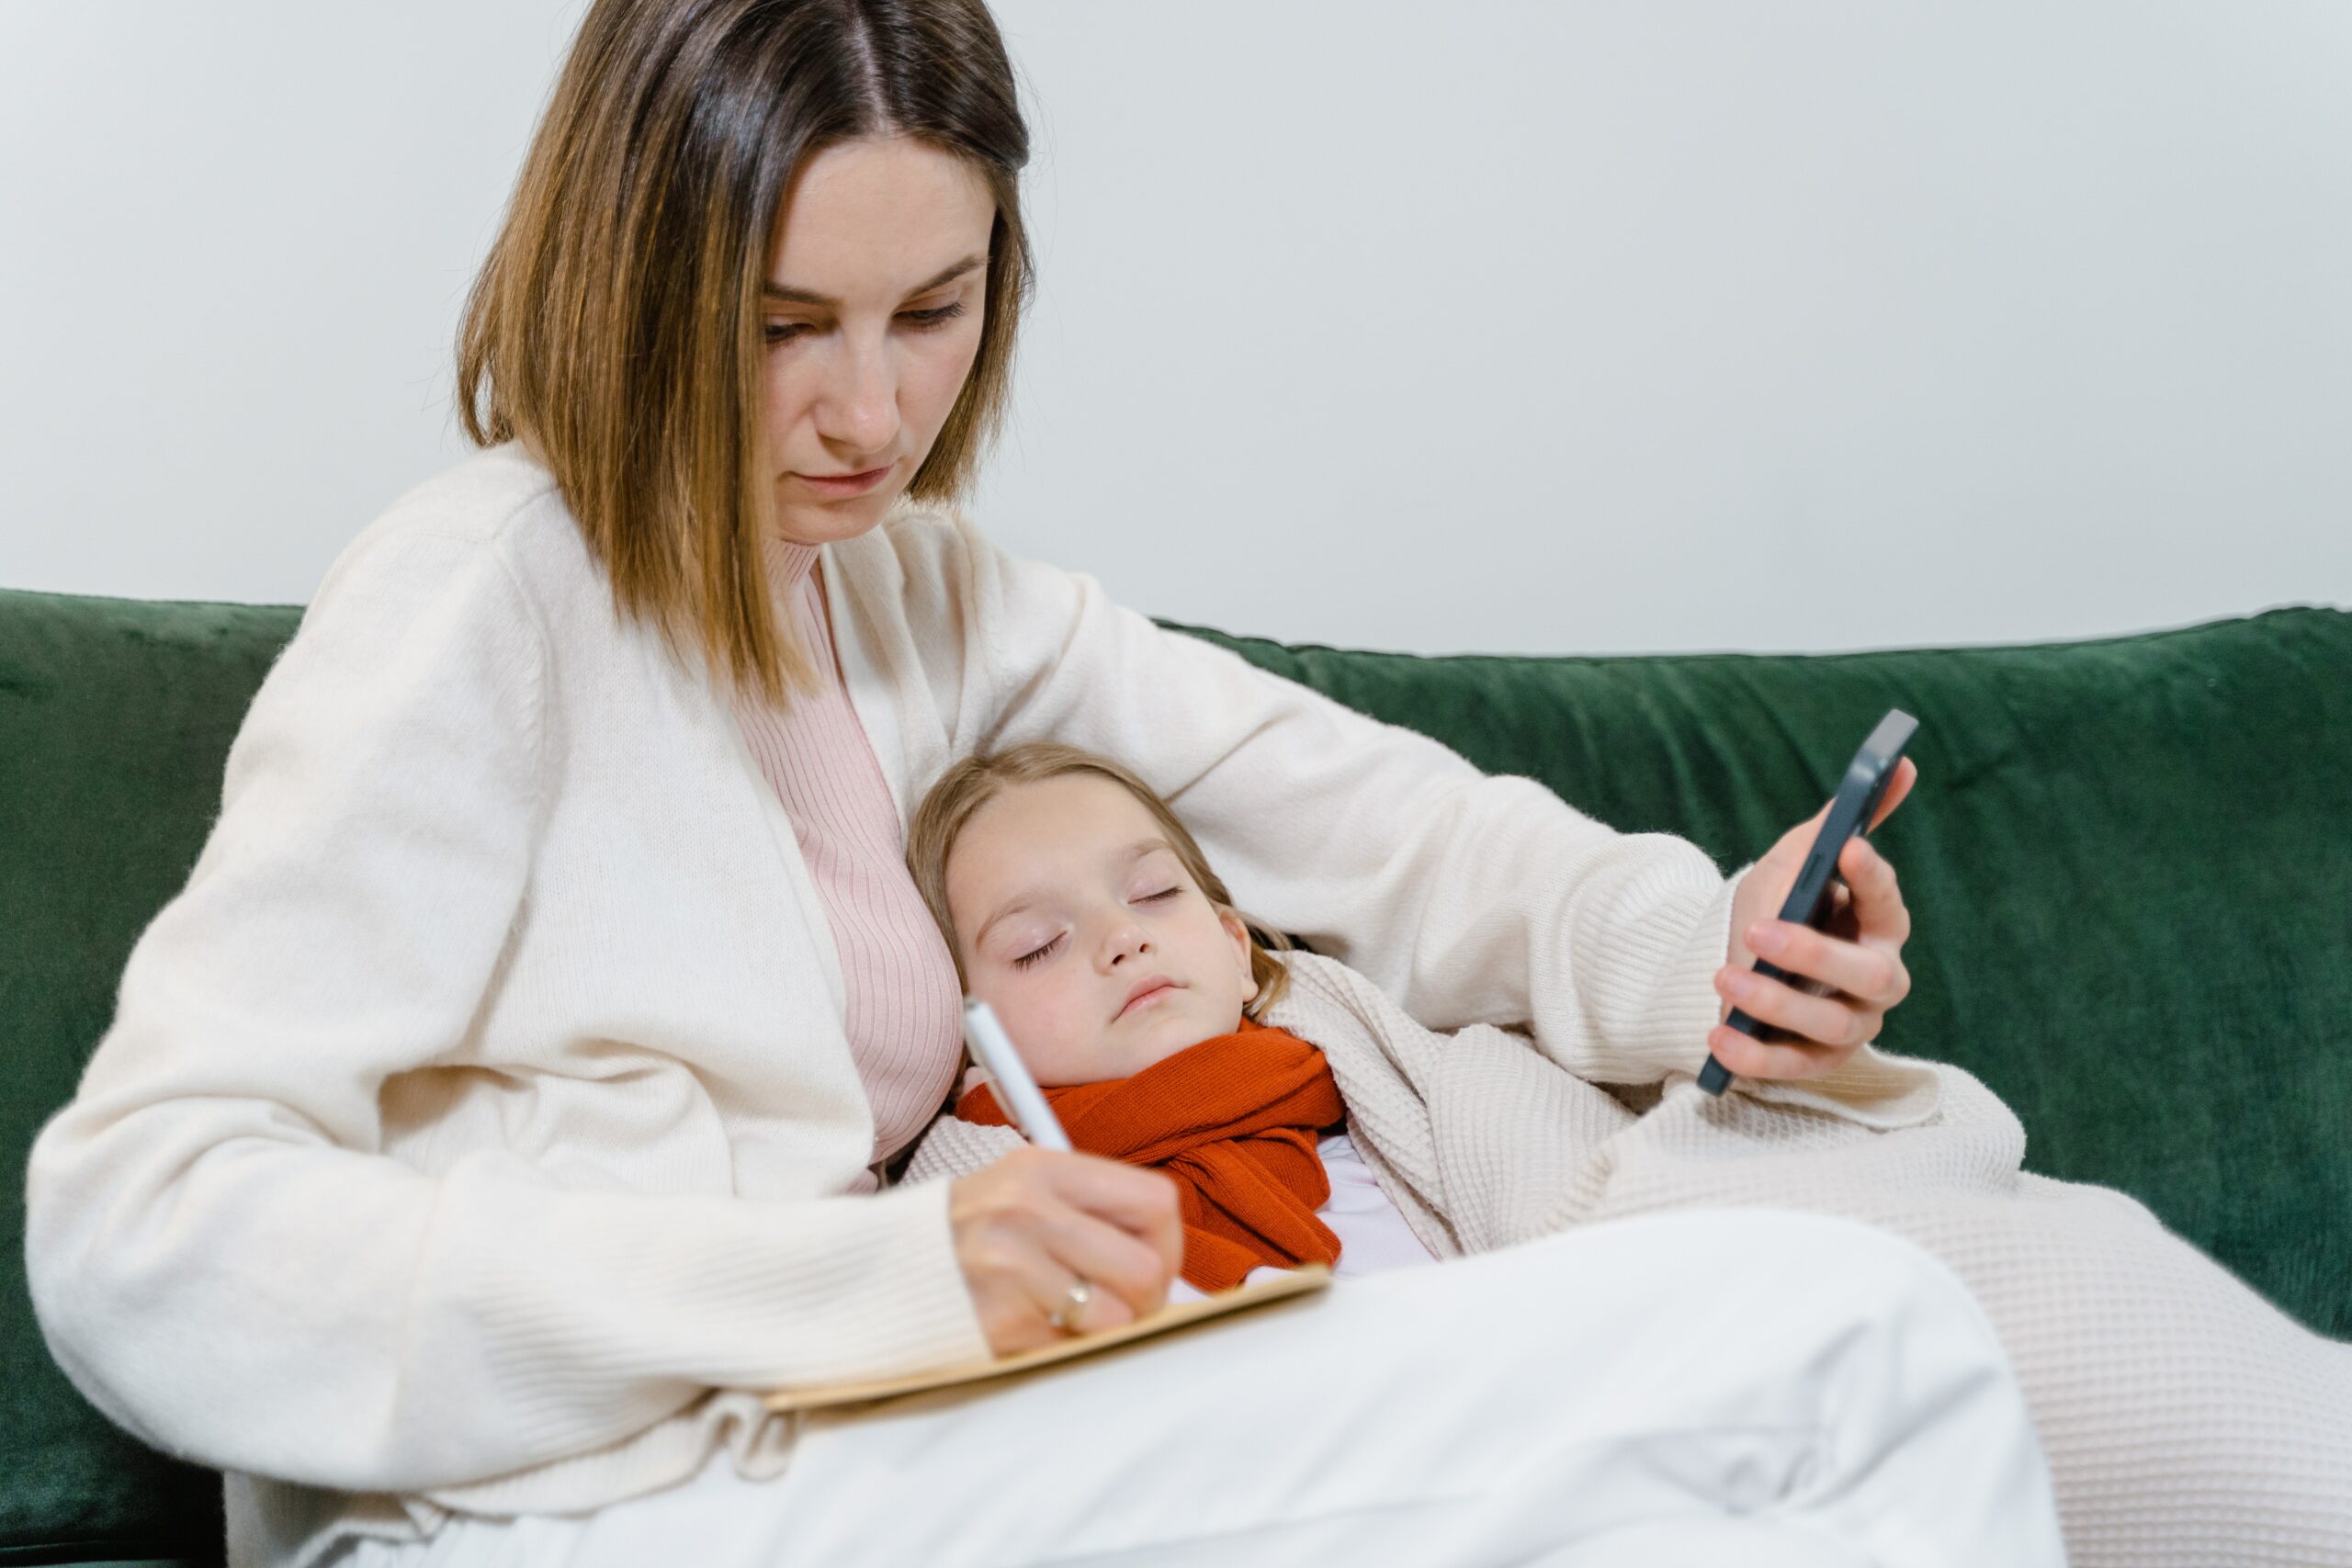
point(1149, 998)
point(845, 484)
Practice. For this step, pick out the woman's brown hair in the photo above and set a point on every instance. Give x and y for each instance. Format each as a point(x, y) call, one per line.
point(974, 781)
point(614, 328)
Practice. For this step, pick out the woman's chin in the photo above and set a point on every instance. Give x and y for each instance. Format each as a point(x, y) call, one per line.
point(801, 521)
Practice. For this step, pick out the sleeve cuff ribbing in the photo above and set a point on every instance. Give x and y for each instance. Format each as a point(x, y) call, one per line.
point(1685, 939)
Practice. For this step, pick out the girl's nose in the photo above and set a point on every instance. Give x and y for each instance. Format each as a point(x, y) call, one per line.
point(1127, 939)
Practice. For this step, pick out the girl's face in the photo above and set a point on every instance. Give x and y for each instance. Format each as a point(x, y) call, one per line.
point(876, 286)
point(1081, 930)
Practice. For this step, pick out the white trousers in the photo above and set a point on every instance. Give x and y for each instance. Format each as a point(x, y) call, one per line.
point(1744, 1386)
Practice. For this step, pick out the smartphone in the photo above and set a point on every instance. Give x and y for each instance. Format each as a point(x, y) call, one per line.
point(1809, 902)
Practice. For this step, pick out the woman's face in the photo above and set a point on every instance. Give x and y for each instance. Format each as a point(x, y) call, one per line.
point(876, 285)
point(1069, 901)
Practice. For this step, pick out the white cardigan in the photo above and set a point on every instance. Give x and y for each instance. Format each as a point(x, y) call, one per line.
point(472, 1128)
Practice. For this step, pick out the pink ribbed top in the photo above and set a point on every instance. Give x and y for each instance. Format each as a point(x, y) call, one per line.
point(905, 1010)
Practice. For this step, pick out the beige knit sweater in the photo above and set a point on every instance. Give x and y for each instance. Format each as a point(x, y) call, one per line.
point(2189, 1422)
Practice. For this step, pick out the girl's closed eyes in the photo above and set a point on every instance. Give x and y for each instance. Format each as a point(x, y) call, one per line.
point(1027, 959)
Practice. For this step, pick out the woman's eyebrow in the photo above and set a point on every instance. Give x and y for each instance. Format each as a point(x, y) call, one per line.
point(1029, 895)
point(785, 294)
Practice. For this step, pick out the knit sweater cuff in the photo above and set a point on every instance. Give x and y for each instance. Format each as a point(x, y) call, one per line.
point(1683, 944)
point(900, 1296)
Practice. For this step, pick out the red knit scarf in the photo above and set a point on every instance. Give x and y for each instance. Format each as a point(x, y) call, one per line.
point(1234, 1120)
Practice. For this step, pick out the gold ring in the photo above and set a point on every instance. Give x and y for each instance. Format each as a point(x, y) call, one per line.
point(1074, 1301)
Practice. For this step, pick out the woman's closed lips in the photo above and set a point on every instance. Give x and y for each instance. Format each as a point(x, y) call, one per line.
point(845, 484)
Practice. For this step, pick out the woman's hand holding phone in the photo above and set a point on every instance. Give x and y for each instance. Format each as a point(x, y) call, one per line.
point(1855, 966)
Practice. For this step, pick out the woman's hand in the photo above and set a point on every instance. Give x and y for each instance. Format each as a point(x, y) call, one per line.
point(1855, 967)
point(1037, 1221)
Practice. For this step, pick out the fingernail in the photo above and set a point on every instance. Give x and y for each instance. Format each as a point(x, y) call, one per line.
point(1765, 938)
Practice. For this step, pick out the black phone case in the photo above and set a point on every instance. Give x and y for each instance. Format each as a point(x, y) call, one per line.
point(1808, 903)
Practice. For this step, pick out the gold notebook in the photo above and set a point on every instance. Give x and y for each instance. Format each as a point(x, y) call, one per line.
point(1176, 1314)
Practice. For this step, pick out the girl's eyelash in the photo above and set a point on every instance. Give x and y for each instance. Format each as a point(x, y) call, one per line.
point(785, 332)
point(1027, 959)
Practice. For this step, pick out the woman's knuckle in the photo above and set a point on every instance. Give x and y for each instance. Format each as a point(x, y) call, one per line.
point(1155, 1194)
point(1006, 1210)
point(1135, 1271)
point(1066, 1234)
point(991, 1258)
point(1741, 1055)
point(1165, 1200)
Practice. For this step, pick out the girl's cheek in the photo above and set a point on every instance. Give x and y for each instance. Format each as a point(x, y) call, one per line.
point(1050, 1056)
point(1068, 1034)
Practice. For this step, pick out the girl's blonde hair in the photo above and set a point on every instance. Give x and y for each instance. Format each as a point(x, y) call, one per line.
point(974, 781)
point(614, 329)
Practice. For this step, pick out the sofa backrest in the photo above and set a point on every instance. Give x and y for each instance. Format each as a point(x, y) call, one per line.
point(2127, 862)
point(115, 721)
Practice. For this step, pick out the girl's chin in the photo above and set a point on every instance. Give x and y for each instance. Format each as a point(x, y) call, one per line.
point(1177, 1037)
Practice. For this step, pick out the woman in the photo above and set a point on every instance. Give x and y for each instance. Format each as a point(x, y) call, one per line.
point(512, 1092)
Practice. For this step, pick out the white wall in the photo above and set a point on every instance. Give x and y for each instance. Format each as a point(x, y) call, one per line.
point(1583, 327)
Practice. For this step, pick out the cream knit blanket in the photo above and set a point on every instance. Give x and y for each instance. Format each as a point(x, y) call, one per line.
point(2189, 1422)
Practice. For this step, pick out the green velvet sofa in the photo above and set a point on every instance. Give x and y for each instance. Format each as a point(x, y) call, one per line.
point(2129, 860)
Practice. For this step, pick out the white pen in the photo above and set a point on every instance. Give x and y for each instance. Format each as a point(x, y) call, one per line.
point(1024, 1100)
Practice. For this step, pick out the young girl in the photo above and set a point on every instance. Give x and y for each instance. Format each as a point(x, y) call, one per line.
point(1083, 912)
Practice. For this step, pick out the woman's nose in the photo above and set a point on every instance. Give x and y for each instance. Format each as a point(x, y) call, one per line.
point(862, 409)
